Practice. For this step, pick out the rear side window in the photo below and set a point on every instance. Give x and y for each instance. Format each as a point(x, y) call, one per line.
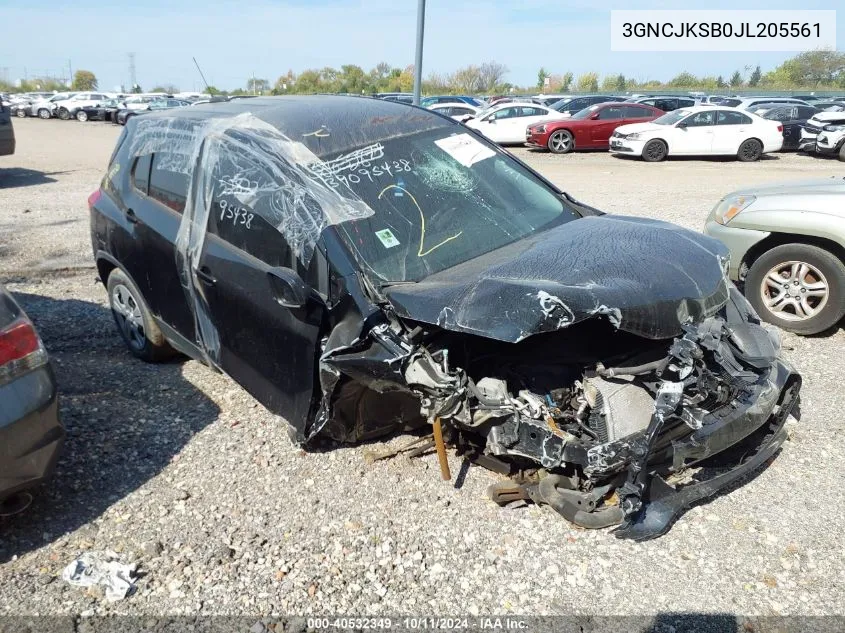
point(168, 187)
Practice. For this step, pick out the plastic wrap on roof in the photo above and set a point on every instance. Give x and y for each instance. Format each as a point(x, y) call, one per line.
point(249, 162)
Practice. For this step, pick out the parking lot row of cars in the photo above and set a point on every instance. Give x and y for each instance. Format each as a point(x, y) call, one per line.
point(656, 127)
point(94, 106)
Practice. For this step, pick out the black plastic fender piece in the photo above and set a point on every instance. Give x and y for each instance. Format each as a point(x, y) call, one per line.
point(665, 504)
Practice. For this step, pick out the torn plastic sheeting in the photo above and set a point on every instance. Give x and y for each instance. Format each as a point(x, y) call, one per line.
point(101, 568)
point(242, 160)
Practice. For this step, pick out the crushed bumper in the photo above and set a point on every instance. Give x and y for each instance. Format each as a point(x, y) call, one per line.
point(745, 441)
point(31, 435)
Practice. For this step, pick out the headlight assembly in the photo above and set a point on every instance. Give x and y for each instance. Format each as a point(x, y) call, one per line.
point(730, 207)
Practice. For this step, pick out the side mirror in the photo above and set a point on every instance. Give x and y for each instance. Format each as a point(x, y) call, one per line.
point(682, 125)
point(288, 288)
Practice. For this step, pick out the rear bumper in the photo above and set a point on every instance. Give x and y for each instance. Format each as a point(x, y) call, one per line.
point(31, 435)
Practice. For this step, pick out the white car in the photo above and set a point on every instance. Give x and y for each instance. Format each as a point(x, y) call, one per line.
point(816, 125)
point(68, 108)
point(457, 110)
point(46, 108)
point(507, 123)
point(699, 131)
point(140, 102)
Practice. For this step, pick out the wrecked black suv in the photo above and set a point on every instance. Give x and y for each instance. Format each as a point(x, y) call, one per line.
point(362, 266)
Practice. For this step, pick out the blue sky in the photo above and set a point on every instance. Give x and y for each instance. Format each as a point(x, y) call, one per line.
point(233, 39)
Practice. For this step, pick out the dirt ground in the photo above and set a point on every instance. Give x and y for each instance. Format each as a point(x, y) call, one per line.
point(176, 468)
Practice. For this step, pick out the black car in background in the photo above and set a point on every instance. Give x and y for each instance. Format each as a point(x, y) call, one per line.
point(571, 105)
point(31, 435)
point(7, 132)
point(361, 266)
point(103, 111)
point(793, 118)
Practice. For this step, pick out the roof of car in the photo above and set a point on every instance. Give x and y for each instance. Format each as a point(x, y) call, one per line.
point(326, 124)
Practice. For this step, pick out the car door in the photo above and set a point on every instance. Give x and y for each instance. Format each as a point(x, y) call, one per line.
point(267, 342)
point(609, 118)
point(498, 126)
point(730, 130)
point(153, 206)
point(694, 134)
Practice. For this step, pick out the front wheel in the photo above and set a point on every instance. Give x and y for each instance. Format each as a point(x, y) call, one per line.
point(63, 113)
point(750, 150)
point(798, 287)
point(842, 152)
point(43, 113)
point(82, 116)
point(134, 320)
point(20, 113)
point(561, 142)
point(655, 151)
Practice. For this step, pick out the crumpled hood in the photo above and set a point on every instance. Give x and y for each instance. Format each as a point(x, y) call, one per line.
point(647, 277)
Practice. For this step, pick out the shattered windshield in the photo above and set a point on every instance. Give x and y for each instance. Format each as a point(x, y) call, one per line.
point(439, 199)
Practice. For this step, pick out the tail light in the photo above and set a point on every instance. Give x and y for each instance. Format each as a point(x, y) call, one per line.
point(780, 128)
point(94, 198)
point(21, 349)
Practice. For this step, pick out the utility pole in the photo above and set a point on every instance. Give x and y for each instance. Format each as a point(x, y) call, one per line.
point(70, 73)
point(419, 56)
point(132, 81)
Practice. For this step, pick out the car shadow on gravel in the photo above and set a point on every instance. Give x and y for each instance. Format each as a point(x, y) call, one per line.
point(125, 421)
point(20, 177)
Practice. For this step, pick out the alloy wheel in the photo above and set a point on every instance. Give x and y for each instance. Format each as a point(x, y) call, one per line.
point(795, 291)
point(129, 316)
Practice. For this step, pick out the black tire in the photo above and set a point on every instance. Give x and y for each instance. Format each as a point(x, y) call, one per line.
point(789, 316)
point(43, 113)
point(20, 113)
point(750, 150)
point(63, 114)
point(842, 152)
point(655, 151)
point(81, 115)
point(561, 142)
point(134, 320)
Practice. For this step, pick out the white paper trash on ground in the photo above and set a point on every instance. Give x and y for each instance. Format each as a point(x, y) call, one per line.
point(102, 568)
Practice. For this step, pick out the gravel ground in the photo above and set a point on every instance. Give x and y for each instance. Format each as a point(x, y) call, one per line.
point(179, 470)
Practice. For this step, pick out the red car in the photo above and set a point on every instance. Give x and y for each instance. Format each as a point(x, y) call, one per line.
point(589, 128)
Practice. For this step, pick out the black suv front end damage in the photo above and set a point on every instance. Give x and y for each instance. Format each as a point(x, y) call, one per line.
point(600, 415)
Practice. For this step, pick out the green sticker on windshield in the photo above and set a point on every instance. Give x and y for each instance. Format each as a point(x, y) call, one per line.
point(387, 238)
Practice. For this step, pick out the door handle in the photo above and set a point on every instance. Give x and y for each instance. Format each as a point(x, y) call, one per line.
point(205, 276)
point(131, 217)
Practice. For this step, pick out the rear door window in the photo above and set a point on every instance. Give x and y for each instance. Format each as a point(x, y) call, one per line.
point(611, 112)
point(725, 117)
point(637, 112)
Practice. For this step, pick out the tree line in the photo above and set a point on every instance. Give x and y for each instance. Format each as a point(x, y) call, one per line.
point(813, 70)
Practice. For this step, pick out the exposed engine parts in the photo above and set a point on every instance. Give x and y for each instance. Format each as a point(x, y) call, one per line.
point(597, 442)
